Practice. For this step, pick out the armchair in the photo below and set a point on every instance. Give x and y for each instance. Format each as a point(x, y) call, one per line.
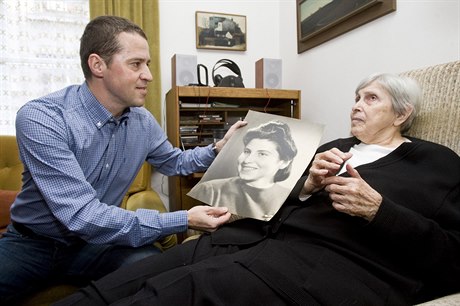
point(439, 120)
point(140, 195)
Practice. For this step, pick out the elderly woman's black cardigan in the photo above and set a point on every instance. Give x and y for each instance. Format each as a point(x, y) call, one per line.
point(409, 252)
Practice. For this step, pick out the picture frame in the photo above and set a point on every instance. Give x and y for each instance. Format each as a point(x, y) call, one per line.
point(319, 21)
point(220, 31)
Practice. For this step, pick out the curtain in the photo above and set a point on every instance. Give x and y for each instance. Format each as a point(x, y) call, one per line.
point(39, 51)
point(145, 14)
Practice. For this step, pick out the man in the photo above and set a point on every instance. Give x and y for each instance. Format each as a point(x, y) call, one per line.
point(82, 147)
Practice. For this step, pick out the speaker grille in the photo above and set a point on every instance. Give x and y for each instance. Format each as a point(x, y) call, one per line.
point(272, 81)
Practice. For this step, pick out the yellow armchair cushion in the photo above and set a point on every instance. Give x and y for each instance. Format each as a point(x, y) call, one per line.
point(10, 165)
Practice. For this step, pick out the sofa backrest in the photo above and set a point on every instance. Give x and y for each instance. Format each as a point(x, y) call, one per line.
point(439, 116)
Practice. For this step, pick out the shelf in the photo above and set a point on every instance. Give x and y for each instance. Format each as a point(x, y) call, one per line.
point(239, 109)
point(237, 93)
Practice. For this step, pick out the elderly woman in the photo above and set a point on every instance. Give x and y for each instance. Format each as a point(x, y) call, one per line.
point(265, 161)
point(376, 221)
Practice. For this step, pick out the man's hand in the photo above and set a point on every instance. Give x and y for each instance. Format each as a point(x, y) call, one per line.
point(207, 218)
point(220, 144)
point(352, 195)
point(325, 164)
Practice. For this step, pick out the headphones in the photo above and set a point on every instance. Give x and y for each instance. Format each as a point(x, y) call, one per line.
point(228, 81)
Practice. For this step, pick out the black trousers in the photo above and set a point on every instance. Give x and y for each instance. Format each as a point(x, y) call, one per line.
point(195, 273)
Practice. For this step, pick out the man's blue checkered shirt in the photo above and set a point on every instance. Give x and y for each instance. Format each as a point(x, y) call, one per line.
point(79, 161)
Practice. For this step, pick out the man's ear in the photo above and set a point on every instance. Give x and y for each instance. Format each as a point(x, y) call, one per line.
point(96, 64)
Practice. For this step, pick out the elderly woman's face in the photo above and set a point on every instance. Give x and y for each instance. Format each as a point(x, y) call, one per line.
point(373, 119)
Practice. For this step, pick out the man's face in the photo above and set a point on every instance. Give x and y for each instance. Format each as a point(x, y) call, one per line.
point(128, 74)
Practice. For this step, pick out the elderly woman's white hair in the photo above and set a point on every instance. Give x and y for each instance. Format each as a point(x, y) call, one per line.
point(405, 94)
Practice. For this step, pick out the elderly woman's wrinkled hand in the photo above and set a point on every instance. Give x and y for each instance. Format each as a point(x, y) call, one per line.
point(352, 195)
point(324, 165)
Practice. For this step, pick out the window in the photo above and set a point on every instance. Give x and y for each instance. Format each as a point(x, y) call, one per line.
point(39, 43)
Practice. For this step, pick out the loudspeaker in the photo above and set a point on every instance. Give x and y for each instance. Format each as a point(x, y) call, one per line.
point(268, 73)
point(184, 70)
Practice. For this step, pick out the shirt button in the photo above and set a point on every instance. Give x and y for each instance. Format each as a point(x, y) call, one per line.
point(99, 124)
point(107, 165)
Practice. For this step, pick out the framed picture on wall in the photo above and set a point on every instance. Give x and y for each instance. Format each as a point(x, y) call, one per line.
point(220, 31)
point(321, 20)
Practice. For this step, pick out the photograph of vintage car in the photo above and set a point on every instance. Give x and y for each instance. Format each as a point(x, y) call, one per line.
point(220, 31)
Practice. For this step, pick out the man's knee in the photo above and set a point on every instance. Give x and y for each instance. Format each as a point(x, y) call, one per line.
point(131, 256)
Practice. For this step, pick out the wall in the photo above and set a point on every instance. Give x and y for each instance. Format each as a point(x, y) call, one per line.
point(177, 35)
point(420, 33)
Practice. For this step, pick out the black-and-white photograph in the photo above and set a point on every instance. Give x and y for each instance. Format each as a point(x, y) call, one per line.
point(256, 170)
point(220, 31)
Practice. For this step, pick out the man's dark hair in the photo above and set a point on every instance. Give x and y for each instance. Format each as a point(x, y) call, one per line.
point(101, 37)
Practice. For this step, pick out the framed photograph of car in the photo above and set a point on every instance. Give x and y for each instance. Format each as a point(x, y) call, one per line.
point(220, 31)
point(321, 20)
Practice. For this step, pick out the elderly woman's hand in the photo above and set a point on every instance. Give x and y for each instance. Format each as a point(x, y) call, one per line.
point(324, 165)
point(352, 195)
